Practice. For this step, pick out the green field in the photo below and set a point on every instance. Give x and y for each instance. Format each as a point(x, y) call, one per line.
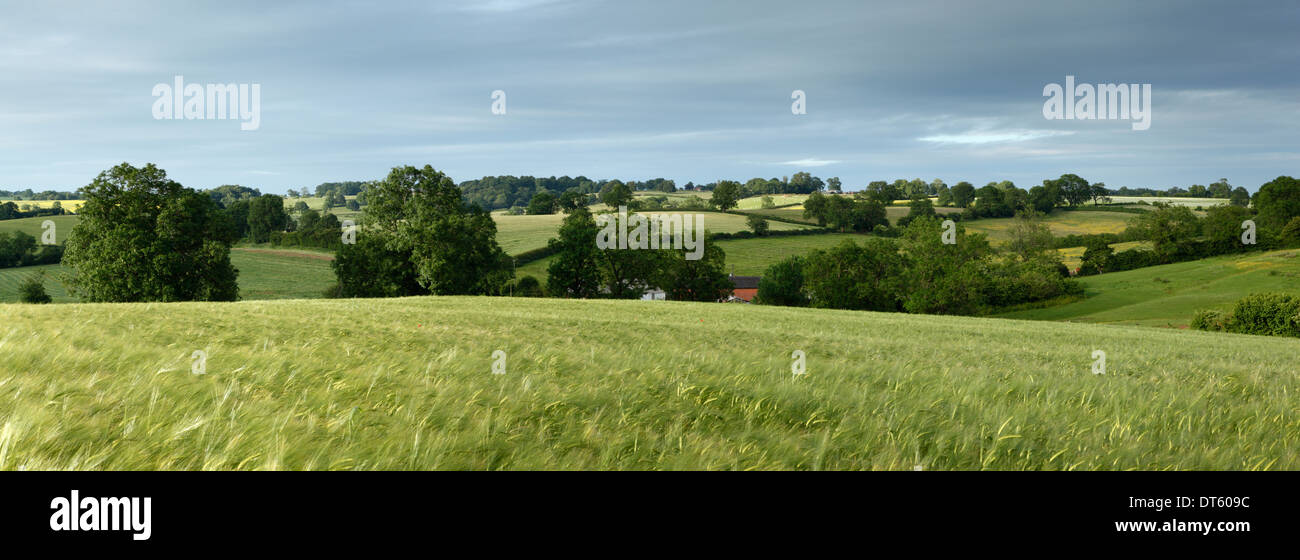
point(1061, 223)
point(408, 384)
point(32, 226)
point(1171, 200)
point(12, 278)
point(263, 274)
point(744, 256)
point(517, 234)
point(1168, 295)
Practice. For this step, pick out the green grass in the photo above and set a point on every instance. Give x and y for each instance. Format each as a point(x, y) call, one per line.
point(1171, 200)
point(12, 278)
point(1168, 295)
point(1061, 223)
point(517, 234)
point(32, 226)
point(745, 256)
point(263, 274)
point(407, 384)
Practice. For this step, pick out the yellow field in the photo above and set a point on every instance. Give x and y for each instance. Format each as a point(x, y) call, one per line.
point(1061, 223)
point(69, 205)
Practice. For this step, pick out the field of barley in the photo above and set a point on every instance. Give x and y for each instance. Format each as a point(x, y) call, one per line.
point(409, 384)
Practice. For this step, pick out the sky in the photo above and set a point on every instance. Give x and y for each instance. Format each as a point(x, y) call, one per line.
point(690, 91)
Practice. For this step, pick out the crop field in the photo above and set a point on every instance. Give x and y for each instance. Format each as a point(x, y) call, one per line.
point(516, 234)
point(1168, 295)
point(1061, 223)
point(756, 202)
point(1171, 200)
point(408, 384)
point(69, 205)
point(1073, 256)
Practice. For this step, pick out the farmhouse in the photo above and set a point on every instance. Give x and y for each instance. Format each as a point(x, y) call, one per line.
point(743, 288)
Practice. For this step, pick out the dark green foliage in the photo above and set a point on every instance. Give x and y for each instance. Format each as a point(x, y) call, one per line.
point(683, 279)
point(757, 224)
point(783, 284)
point(1269, 314)
point(852, 276)
point(369, 268)
point(266, 215)
point(452, 245)
point(1277, 202)
point(177, 240)
point(32, 290)
point(574, 272)
point(543, 202)
point(528, 286)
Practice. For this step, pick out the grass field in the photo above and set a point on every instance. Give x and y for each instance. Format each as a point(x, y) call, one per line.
point(12, 278)
point(1168, 295)
point(1061, 223)
point(756, 202)
point(745, 256)
point(1171, 200)
point(407, 384)
point(263, 274)
point(516, 234)
point(32, 226)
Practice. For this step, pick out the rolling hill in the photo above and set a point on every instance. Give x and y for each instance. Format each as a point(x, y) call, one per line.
point(1168, 295)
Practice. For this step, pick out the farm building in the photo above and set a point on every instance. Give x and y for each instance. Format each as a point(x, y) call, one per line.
point(744, 288)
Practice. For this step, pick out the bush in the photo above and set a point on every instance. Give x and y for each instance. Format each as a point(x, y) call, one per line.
point(528, 286)
point(33, 290)
point(1270, 314)
point(1210, 320)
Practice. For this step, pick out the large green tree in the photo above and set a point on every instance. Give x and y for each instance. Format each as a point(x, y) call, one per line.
point(266, 215)
point(575, 272)
point(452, 245)
point(726, 195)
point(1277, 202)
point(144, 237)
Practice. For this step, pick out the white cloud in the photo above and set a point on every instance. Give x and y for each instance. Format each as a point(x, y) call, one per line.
point(810, 162)
point(993, 136)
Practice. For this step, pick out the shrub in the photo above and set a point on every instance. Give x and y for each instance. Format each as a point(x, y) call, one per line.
point(528, 286)
point(1210, 320)
point(1271, 314)
point(33, 290)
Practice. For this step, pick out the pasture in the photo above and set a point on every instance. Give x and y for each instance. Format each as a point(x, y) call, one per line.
point(1168, 295)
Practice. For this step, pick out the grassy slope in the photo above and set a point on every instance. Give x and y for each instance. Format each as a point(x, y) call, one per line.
point(406, 384)
point(32, 226)
point(1168, 295)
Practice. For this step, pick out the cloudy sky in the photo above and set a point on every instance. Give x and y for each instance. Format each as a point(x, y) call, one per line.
point(691, 91)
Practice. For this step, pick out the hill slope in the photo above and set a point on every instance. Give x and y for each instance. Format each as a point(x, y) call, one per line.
point(1168, 295)
point(408, 384)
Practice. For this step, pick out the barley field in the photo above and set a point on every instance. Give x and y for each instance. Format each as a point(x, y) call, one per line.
point(409, 384)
